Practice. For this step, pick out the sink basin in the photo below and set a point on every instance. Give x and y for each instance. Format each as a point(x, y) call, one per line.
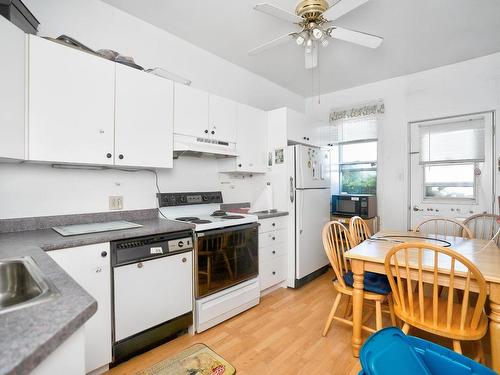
point(22, 284)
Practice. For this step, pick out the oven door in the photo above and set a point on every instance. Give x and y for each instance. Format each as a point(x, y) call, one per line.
point(225, 257)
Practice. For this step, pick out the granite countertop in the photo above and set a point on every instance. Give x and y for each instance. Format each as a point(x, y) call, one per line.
point(30, 334)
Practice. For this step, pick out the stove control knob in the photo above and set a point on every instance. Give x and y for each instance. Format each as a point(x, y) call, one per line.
point(204, 198)
point(183, 199)
point(180, 244)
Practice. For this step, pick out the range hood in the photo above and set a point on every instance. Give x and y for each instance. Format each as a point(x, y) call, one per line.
point(186, 145)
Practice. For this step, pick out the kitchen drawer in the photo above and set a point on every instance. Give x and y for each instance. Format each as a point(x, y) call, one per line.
point(272, 251)
point(272, 238)
point(272, 271)
point(273, 223)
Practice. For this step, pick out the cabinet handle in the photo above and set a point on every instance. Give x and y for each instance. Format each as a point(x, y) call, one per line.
point(98, 270)
point(274, 238)
point(184, 260)
point(140, 265)
point(212, 132)
point(274, 224)
point(307, 138)
point(274, 272)
point(108, 155)
point(239, 165)
point(104, 254)
point(274, 251)
point(206, 131)
point(120, 156)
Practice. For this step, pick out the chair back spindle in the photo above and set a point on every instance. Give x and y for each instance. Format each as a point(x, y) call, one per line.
point(359, 230)
point(433, 265)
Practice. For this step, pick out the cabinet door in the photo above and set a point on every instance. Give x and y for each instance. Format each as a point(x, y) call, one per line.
point(71, 104)
point(222, 118)
point(251, 140)
point(143, 119)
point(161, 287)
point(190, 111)
point(12, 90)
point(296, 131)
point(90, 267)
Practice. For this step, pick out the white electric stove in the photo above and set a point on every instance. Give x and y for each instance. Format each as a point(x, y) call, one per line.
point(226, 255)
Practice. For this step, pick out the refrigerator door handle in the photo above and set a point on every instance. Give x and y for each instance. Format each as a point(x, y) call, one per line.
point(291, 189)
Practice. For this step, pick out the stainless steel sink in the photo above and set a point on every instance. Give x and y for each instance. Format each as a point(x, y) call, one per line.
point(22, 284)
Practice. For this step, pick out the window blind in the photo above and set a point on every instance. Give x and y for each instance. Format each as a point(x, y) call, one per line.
point(356, 124)
point(457, 141)
point(354, 129)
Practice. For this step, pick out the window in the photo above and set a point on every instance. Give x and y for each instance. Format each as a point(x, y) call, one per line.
point(452, 181)
point(354, 154)
point(449, 154)
point(358, 168)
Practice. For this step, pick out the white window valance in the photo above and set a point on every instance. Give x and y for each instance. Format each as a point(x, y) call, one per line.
point(356, 124)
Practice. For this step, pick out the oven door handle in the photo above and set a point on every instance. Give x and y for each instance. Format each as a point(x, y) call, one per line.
point(227, 229)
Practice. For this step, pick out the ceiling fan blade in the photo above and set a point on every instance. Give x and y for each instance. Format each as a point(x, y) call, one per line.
point(312, 56)
point(278, 12)
point(273, 43)
point(342, 7)
point(356, 37)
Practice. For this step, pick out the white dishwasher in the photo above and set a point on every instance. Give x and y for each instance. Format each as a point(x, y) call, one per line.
point(152, 291)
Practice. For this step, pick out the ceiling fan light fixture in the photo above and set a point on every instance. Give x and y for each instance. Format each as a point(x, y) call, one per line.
point(317, 33)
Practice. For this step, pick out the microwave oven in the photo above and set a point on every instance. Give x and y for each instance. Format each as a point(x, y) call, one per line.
point(362, 205)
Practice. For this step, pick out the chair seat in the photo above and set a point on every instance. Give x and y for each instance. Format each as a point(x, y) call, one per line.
point(453, 331)
point(373, 282)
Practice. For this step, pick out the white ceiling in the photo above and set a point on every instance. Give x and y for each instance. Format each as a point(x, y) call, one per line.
point(418, 35)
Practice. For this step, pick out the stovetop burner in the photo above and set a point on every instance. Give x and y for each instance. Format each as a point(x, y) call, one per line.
point(233, 217)
point(219, 213)
point(187, 218)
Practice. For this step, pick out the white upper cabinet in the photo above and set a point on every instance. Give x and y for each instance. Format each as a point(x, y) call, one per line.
point(71, 104)
point(299, 129)
point(190, 111)
point(143, 119)
point(251, 142)
point(12, 91)
point(222, 118)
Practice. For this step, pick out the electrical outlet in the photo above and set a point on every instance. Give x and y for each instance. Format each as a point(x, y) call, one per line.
point(116, 202)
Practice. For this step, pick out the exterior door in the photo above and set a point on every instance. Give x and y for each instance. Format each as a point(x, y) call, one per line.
point(456, 181)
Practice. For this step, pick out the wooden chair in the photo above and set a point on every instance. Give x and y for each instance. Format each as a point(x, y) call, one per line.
point(212, 248)
point(336, 241)
point(359, 230)
point(444, 226)
point(483, 226)
point(463, 321)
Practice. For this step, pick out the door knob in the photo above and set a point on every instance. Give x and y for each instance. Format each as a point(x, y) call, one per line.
point(416, 208)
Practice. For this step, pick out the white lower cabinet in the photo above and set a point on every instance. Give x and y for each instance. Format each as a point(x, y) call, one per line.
point(68, 358)
point(90, 267)
point(272, 252)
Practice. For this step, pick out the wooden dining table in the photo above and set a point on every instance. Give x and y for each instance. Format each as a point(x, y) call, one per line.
point(370, 254)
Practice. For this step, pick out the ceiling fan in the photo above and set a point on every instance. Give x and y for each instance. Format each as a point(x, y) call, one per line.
point(315, 20)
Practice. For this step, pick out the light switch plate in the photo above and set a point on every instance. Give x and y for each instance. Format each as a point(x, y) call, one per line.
point(116, 202)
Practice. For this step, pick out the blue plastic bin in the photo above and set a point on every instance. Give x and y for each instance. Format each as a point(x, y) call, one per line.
point(390, 352)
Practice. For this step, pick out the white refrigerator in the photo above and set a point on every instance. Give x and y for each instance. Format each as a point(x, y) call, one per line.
point(308, 170)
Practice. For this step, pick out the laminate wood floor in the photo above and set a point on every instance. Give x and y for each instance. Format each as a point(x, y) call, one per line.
point(282, 335)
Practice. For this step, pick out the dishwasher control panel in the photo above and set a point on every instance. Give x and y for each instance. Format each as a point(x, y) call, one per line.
point(141, 249)
point(180, 244)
